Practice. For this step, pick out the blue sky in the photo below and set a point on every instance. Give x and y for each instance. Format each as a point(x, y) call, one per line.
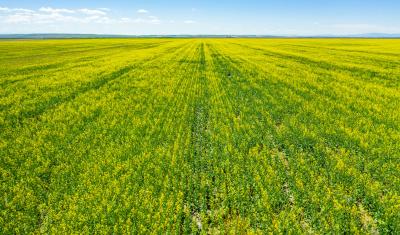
point(278, 17)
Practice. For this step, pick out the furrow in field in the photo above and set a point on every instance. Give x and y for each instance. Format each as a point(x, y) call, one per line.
point(196, 201)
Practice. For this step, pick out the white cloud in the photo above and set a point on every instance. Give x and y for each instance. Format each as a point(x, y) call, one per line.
point(16, 18)
point(189, 22)
point(49, 15)
point(22, 10)
point(6, 9)
point(92, 11)
point(52, 16)
point(39, 18)
point(98, 19)
point(148, 20)
point(75, 20)
point(55, 10)
point(144, 20)
point(154, 18)
point(142, 11)
point(125, 20)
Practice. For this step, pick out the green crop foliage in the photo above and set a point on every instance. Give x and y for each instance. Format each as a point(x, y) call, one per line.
point(208, 136)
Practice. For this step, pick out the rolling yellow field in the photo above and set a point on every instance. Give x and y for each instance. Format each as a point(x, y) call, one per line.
point(200, 136)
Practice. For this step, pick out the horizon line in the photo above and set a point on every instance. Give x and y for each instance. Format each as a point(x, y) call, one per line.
point(90, 35)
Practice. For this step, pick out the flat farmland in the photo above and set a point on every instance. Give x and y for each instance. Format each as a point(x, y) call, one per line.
point(186, 136)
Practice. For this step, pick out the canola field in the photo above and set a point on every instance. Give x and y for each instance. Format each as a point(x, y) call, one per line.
point(200, 136)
